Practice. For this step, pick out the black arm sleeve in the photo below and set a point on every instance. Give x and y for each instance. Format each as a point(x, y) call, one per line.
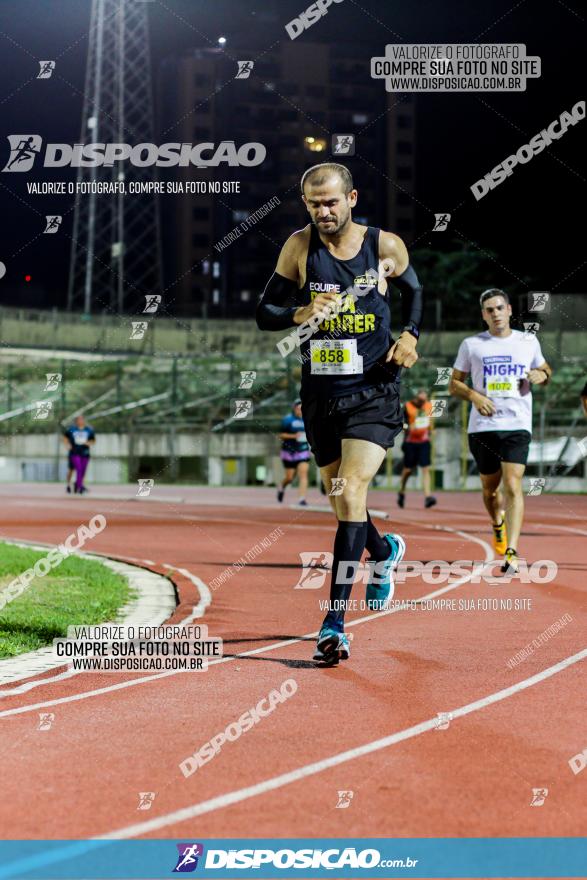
point(273, 312)
point(412, 297)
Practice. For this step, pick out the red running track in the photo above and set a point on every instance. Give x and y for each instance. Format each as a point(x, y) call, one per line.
point(367, 726)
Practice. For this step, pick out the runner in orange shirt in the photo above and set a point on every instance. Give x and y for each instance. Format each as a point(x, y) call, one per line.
point(416, 446)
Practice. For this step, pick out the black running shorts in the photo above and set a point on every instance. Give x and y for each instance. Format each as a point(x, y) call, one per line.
point(373, 414)
point(416, 454)
point(490, 448)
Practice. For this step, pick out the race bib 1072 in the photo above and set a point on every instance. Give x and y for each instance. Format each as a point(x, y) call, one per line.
point(502, 386)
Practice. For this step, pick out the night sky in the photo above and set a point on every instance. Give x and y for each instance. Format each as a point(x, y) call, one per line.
point(533, 221)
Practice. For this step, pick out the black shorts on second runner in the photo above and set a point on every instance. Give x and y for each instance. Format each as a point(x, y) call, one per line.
point(416, 454)
point(491, 448)
point(373, 414)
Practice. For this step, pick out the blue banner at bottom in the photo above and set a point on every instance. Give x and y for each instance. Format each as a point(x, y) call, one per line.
point(285, 858)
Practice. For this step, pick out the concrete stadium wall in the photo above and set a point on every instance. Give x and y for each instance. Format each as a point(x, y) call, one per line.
point(221, 459)
point(56, 331)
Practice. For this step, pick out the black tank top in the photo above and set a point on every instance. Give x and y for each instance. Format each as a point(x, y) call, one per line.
point(364, 318)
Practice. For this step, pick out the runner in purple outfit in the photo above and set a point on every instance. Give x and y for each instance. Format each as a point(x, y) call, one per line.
point(295, 452)
point(79, 437)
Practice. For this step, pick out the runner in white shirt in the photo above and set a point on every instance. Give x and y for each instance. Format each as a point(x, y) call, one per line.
point(503, 364)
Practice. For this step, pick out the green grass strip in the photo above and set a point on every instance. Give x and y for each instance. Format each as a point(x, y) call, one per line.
point(76, 592)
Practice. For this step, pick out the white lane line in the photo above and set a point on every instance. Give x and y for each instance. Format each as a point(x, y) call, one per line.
point(29, 685)
point(198, 611)
point(136, 559)
point(205, 595)
point(275, 782)
point(262, 650)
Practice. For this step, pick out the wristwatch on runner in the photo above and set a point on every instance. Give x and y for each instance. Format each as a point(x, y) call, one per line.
point(411, 328)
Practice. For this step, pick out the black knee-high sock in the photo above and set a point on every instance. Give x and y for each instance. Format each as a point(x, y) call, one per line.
point(349, 544)
point(378, 548)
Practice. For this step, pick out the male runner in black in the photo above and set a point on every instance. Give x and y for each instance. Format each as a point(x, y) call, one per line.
point(330, 283)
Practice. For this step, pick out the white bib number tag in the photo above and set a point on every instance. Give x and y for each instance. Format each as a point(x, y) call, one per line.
point(422, 422)
point(335, 357)
point(503, 386)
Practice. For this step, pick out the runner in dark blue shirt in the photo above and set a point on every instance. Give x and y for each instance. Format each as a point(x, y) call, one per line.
point(78, 438)
point(331, 286)
point(295, 453)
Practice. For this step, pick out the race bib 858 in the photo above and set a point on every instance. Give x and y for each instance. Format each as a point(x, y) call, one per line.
point(335, 357)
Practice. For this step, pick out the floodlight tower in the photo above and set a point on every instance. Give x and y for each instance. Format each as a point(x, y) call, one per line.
point(116, 247)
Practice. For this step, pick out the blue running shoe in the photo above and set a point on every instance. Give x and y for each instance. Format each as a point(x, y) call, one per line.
point(380, 582)
point(332, 646)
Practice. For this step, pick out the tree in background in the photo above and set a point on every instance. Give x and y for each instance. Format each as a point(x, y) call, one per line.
point(457, 277)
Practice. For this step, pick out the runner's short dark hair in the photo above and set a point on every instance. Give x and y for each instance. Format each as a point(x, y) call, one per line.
point(319, 174)
point(493, 291)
